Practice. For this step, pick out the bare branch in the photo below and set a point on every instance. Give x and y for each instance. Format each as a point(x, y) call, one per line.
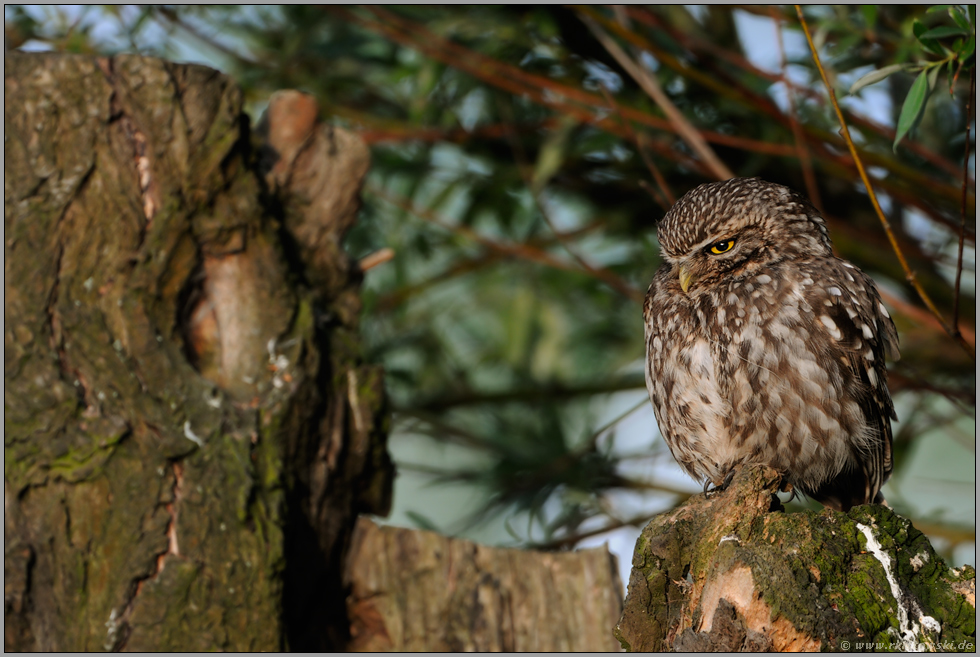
point(667, 199)
point(966, 181)
point(649, 83)
point(806, 164)
point(545, 391)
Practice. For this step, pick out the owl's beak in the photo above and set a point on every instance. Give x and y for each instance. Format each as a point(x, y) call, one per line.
point(686, 277)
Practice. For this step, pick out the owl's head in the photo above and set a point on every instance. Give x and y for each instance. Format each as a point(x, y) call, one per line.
point(729, 229)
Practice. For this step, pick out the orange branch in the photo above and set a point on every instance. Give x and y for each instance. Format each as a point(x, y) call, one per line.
point(909, 274)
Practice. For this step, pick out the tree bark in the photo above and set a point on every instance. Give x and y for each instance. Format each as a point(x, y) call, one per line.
point(418, 591)
point(731, 571)
point(189, 431)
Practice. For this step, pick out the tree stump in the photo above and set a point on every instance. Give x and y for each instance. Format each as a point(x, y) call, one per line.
point(417, 591)
point(730, 571)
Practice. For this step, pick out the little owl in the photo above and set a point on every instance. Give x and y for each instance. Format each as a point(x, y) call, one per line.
point(765, 348)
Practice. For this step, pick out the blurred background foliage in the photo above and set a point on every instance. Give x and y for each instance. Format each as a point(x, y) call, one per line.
point(520, 165)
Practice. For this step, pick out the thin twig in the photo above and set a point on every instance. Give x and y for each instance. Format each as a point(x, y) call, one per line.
point(909, 274)
point(919, 314)
point(445, 430)
point(621, 16)
point(372, 260)
point(513, 249)
point(718, 79)
point(508, 248)
point(373, 131)
point(175, 19)
point(901, 177)
point(394, 298)
point(571, 540)
point(966, 178)
point(651, 86)
point(585, 106)
point(591, 108)
point(547, 391)
point(668, 198)
point(813, 191)
point(609, 277)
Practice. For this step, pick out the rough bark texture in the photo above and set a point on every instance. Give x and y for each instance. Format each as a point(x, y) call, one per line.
point(419, 591)
point(731, 571)
point(189, 434)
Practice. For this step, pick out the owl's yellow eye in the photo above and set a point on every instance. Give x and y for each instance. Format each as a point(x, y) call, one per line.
point(722, 247)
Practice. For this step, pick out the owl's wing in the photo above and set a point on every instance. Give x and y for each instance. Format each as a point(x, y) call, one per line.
point(848, 308)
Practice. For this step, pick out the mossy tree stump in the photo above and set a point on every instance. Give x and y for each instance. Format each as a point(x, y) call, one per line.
point(731, 571)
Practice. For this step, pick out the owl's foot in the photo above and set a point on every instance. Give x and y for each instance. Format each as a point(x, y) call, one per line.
point(710, 488)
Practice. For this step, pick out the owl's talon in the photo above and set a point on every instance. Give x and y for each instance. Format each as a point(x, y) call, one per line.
point(728, 480)
point(710, 488)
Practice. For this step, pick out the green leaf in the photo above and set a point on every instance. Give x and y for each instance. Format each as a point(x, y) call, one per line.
point(918, 29)
point(969, 46)
point(870, 14)
point(911, 107)
point(933, 74)
point(933, 46)
point(956, 13)
point(876, 76)
point(933, 9)
point(847, 43)
point(942, 32)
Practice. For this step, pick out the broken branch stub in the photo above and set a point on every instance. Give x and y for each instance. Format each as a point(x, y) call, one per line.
point(320, 169)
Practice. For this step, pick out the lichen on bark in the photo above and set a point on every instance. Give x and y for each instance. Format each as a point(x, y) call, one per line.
point(731, 570)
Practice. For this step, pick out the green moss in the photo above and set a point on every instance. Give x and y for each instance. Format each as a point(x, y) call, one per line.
point(811, 568)
point(77, 466)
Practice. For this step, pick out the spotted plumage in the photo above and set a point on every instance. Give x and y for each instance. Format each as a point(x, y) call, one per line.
point(763, 347)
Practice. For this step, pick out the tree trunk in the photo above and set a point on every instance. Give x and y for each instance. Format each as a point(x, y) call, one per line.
point(729, 571)
point(189, 433)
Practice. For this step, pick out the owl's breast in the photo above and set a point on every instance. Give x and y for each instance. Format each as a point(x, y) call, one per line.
point(682, 379)
point(783, 382)
point(758, 325)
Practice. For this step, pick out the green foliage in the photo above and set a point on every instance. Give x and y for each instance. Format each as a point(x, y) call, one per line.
point(518, 173)
point(912, 106)
point(959, 55)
